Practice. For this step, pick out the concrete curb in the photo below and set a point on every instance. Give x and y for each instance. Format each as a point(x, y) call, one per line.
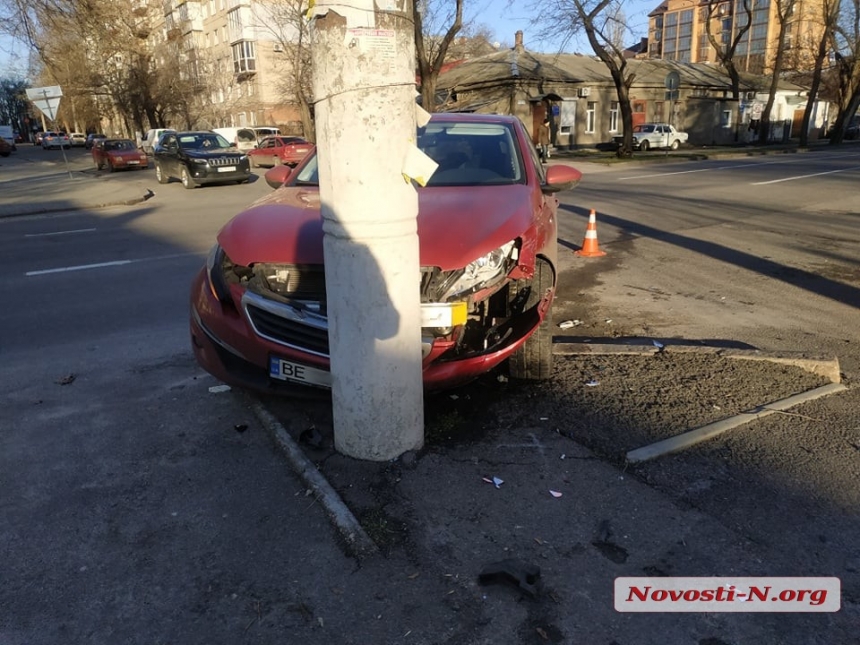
point(825, 366)
point(350, 529)
point(703, 433)
point(36, 209)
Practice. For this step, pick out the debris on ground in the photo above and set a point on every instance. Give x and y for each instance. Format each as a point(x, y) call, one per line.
point(524, 575)
point(68, 379)
point(217, 389)
point(312, 437)
point(495, 481)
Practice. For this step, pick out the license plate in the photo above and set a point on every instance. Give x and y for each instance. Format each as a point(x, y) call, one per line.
point(290, 371)
point(227, 169)
point(134, 163)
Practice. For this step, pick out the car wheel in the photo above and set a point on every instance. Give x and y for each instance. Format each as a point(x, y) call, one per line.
point(160, 177)
point(110, 167)
point(98, 165)
point(675, 144)
point(185, 177)
point(533, 361)
point(644, 146)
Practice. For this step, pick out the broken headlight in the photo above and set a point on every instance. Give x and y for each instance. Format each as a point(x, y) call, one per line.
point(483, 272)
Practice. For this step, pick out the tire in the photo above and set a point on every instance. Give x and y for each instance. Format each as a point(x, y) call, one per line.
point(533, 361)
point(160, 177)
point(675, 145)
point(110, 167)
point(644, 146)
point(185, 178)
point(98, 166)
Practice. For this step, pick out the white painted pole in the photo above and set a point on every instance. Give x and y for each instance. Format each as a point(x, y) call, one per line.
point(364, 92)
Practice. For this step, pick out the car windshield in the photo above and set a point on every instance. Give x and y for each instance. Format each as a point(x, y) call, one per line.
point(120, 144)
point(644, 128)
point(467, 154)
point(203, 141)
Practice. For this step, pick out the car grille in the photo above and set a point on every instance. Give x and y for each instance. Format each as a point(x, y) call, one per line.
point(288, 332)
point(224, 161)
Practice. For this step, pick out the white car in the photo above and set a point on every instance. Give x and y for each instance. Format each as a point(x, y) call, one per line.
point(55, 140)
point(655, 135)
point(78, 139)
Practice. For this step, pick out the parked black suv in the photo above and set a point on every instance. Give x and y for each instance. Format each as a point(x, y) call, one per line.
point(197, 158)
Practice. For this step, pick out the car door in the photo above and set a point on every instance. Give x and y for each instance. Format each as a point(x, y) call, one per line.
point(277, 151)
point(167, 155)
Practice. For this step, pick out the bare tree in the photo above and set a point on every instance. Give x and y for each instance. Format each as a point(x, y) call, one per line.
point(286, 23)
point(846, 72)
point(784, 11)
point(604, 25)
point(429, 18)
point(829, 12)
point(725, 51)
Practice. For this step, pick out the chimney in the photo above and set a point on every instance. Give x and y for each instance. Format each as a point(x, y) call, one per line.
point(518, 41)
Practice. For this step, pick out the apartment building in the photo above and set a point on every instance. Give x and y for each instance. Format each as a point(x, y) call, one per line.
point(233, 54)
point(678, 30)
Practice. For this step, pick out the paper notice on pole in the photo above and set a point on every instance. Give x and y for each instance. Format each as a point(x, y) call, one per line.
point(422, 116)
point(379, 42)
point(418, 166)
point(358, 13)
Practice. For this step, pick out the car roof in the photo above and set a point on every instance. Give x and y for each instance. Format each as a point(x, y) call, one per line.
point(473, 117)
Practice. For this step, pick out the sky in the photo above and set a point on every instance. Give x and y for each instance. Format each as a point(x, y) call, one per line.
point(504, 18)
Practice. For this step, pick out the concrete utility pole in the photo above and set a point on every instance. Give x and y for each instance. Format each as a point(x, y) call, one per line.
point(364, 92)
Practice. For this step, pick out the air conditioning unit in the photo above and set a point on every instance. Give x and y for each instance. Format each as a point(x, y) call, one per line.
point(278, 47)
point(584, 91)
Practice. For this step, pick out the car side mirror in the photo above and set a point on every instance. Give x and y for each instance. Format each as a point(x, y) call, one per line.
point(277, 176)
point(560, 178)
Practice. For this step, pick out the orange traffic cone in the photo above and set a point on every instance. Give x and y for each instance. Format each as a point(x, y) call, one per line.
point(589, 244)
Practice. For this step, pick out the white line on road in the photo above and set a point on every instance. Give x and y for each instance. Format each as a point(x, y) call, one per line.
point(80, 230)
point(817, 174)
point(755, 164)
point(101, 265)
point(687, 172)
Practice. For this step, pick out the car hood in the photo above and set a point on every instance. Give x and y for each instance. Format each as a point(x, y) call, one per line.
point(455, 225)
point(212, 154)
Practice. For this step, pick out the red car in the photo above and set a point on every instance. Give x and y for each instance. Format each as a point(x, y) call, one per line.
point(118, 154)
point(277, 150)
point(258, 307)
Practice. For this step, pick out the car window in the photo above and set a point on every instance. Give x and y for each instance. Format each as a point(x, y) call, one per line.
point(288, 141)
point(203, 141)
point(471, 154)
point(246, 136)
point(124, 144)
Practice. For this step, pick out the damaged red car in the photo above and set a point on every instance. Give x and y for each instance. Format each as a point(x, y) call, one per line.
point(258, 307)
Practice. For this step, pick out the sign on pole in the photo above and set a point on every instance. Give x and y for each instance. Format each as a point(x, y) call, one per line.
point(47, 99)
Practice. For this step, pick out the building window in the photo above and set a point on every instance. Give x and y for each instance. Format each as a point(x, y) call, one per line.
point(567, 117)
point(211, 7)
point(589, 116)
point(726, 118)
point(243, 57)
point(613, 116)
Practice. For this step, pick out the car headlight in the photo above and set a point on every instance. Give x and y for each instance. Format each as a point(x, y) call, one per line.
point(215, 271)
point(200, 161)
point(482, 272)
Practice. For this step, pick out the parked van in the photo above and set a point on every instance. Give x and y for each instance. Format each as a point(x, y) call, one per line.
point(266, 131)
point(150, 139)
point(242, 138)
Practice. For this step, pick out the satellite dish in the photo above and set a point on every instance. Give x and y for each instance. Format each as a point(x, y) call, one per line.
point(497, 44)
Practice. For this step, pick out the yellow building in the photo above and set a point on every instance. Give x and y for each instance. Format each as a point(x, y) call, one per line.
point(234, 54)
point(678, 30)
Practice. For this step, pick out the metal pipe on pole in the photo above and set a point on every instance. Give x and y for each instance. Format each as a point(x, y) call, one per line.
point(364, 93)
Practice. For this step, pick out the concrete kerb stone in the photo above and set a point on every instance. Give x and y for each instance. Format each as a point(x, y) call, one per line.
point(825, 366)
point(350, 529)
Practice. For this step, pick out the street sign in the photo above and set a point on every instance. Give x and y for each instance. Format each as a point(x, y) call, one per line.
point(47, 99)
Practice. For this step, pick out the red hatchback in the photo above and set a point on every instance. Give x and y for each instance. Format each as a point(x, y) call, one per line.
point(118, 154)
point(259, 304)
point(277, 150)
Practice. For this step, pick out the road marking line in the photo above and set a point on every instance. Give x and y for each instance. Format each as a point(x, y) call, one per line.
point(818, 174)
point(732, 167)
point(101, 265)
point(80, 230)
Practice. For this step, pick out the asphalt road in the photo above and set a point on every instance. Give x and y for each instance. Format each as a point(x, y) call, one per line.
point(138, 507)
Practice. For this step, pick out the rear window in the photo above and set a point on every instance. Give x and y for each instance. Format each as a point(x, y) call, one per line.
point(246, 135)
